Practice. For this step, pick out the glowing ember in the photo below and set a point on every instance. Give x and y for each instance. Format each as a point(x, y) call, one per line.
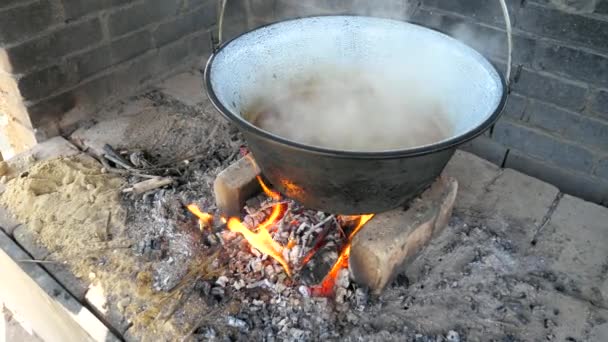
point(261, 240)
point(204, 219)
point(326, 288)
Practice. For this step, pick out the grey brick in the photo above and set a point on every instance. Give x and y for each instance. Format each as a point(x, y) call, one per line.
point(602, 7)
point(481, 10)
point(570, 125)
point(47, 49)
point(550, 117)
point(140, 15)
point(569, 6)
point(287, 9)
point(589, 131)
point(488, 41)
point(200, 44)
point(599, 103)
point(49, 110)
point(20, 22)
point(138, 72)
point(487, 149)
point(202, 18)
point(562, 26)
point(174, 54)
point(573, 63)
point(515, 107)
point(543, 146)
point(602, 169)
point(235, 9)
point(574, 183)
point(77, 8)
point(9, 3)
point(93, 61)
point(43, 83)
point(550, 89)
point(96, 60)
point(262, 8)
point(133, 45)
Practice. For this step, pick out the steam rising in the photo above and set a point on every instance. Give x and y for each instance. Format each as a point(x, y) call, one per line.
point(398, 103)
point(356, 109)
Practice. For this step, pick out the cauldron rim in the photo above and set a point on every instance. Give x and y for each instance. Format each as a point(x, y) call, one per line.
point(450, 143)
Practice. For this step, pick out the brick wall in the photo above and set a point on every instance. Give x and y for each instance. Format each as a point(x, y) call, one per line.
point(60, 60)
point(555, 125)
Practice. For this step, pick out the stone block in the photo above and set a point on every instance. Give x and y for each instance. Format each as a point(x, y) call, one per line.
point(544, 146)
point(486, 148)
point(590, 132)
point(235, 185)
point(573, 63)
point(76, 8)
point(47, 49)
point(599, 103)
point(489, 41)
point(392, 239)
point(42, 83)
point(573, 244)
point(549, 117)
point(479, 10)
point(186, 87)
point(140, 15)
point(131, 46)
point(473, 175)
point(553, 23)
point(173, 55)
point(262, 8)
point(577, 184)
point(515, 206)
point(550, 89)
point(22, 21)
point(92, 61)
point(515, 107)
point(602, 169)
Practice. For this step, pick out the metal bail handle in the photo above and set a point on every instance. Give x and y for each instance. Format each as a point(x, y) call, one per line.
point(503, 6)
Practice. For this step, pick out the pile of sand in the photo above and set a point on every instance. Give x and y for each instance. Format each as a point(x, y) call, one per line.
point(74, 210)
point(68, 202)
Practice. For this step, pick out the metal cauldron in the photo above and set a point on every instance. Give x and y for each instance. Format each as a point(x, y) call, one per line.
point(351, 182)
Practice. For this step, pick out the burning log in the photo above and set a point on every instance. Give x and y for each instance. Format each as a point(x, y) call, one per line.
point(394, 238)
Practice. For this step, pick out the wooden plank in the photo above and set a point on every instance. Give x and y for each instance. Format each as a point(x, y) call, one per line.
point(28, 290)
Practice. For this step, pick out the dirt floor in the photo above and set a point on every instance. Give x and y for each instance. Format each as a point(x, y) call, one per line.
point(519, 261)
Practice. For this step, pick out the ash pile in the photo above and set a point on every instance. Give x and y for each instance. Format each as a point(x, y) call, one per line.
point(294, 286)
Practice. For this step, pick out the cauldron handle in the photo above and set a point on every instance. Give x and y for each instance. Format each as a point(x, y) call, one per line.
point(505, 13)
point(503, 7)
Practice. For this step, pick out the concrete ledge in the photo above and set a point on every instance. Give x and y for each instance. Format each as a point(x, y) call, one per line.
point(53, 313)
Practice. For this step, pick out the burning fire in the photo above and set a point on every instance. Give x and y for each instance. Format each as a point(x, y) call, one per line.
point(204, 219)
point(259, 237)
point(326, 288)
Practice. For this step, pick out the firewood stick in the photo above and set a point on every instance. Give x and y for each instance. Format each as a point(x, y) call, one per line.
point(150, 184)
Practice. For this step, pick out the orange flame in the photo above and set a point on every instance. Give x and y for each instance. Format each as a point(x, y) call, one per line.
point(326, 288)
point(261, 239)
point(204, 219)
point(270, 193)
